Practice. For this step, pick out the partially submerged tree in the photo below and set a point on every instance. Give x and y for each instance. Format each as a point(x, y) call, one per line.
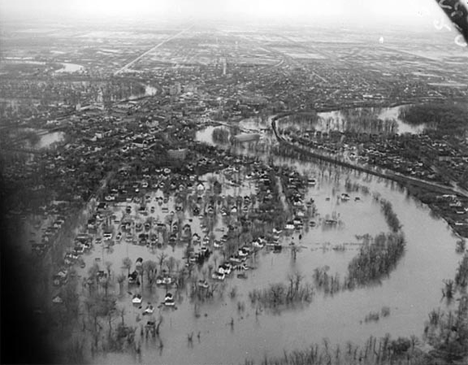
point(127, 264)
point(150, 267)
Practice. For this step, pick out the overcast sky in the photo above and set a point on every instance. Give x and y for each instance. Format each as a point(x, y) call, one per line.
point(357, 10)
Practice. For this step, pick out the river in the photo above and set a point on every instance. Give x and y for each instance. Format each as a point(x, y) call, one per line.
point(46, 139)
point(411, 291)
point(149, 91)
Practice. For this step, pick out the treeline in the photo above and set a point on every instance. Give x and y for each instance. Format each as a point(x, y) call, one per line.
point(30, 136)
point(383, 351)
point(461, 277)
point(390, 216)
point(447, 331)
point(377, 257)
point(449, 118)
point(283, 294)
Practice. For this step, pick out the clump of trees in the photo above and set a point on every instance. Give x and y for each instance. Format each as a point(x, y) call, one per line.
point(327, 283)
point(447, 331)
point(461, 246)
point(375, 260)
point(354, 187)
point(283, 294)
point(375, 316)
point(377, 257)
point(461, 277)
point(390, 216)
point(220, 135)
point(448, 118)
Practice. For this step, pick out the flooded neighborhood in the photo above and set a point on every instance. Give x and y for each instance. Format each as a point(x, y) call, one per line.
point(206, 190)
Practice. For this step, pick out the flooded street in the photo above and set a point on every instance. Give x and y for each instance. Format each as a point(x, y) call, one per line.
point(228, 328)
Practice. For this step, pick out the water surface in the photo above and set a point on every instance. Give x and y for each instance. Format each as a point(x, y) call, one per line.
point(411, 291)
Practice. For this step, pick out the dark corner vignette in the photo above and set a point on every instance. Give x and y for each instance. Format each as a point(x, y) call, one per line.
point(24, 328)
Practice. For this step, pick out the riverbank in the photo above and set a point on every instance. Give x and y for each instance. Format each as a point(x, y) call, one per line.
point(428, 192)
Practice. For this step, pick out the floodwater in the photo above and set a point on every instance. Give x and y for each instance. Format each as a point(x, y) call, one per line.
point(411, 291)
point(48, 139)
point(206, 134)
point(368, 120)
point(70, 68)
point(149, 91)
point(45, 139)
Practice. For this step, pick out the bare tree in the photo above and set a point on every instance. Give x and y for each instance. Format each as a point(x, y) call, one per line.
point(161, 259)
point(121, 279)
point(150, 267)
point(108, 265)
point(170, 263)
point(127, 264)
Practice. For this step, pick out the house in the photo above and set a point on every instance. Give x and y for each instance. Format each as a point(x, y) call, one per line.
point(200, 187)
point(60, 278)
point(148, 310)
point(57, 300)
point(164, 280)
point(169, 300)
point(235, 259)
point(137, 299)
point(133, 278)
point(242, 252)
point(101, 206)
point(224, 269)
point(140, 142)
point(39, 248)
point(289, 225)
point(297, 221)
point(218, 276)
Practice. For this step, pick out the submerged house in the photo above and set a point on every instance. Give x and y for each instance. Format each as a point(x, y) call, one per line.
point(133, 278)
point(200, 187)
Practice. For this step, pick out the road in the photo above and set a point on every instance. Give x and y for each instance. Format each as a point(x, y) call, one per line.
point(124, 68)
